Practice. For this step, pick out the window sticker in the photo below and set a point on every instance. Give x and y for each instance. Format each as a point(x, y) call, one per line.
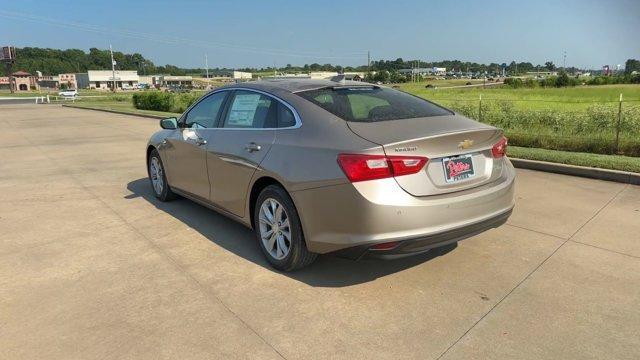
point(243, 110)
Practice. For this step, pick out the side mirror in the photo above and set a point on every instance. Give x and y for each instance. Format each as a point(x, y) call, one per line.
point(169, 123)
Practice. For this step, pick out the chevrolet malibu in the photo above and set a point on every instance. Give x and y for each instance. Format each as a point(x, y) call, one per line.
point(320, 166)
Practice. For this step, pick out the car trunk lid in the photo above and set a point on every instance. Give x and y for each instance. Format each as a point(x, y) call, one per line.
point(454, 145)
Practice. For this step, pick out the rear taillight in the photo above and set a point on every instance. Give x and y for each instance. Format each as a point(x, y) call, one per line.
point(500, 148)
point(359, 167)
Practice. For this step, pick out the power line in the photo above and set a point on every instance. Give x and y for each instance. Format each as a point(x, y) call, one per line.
point(172, 39)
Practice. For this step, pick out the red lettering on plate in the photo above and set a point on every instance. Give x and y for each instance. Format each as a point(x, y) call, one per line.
point(457, 168)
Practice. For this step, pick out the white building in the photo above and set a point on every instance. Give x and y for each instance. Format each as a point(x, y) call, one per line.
point(241, 75)
point(434, 71)
point(287, 76)
point(68, 81)
point(175, 81)
point(354, 75)
point(323, 74)
point(103, 79)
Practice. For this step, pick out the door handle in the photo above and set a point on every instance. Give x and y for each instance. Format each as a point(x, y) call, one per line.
point(251, 147)
point(200, 141)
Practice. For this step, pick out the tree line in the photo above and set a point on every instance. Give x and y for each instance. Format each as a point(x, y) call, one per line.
point(55, 61)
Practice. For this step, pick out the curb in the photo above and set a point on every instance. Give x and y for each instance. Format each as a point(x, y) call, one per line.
point(150, 116)
point(625, 177)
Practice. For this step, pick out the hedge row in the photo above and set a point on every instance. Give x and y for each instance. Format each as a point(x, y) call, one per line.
point(162, 101)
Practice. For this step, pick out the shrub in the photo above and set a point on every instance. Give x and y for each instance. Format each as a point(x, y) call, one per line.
point(562, 80)
point(514, 82)
point(160, 101)
point(153, 100)
point(548, 81)
point(617, 79)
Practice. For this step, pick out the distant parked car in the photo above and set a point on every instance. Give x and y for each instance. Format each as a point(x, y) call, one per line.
point(68, 93)
point(317, 166)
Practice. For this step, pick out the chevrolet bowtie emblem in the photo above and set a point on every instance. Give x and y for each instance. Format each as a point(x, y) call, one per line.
point(465, 144)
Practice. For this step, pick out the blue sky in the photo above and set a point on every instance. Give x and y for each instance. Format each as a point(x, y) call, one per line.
point(262, 33)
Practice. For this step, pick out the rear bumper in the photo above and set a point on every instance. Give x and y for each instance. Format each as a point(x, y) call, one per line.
point(425, 243)
point(363, 214)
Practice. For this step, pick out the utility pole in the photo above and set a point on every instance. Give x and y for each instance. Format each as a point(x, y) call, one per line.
point(113, 68)
point(564, 60)
point(206, 66)
point(368, 60)
point(413, 71)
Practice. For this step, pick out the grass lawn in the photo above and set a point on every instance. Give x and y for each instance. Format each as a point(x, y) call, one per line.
point(440, 84)
point(571, 98)
point(613, 162)
point(7, 93)
point(580, 119)
point(125, 106)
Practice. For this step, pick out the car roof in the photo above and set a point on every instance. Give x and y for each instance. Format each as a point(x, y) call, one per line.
point(295, 85)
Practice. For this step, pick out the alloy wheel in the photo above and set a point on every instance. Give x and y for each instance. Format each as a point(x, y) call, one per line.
point(155, 171)
point(275, 231)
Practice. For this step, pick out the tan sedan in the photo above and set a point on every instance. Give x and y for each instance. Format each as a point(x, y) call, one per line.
point(319, 166)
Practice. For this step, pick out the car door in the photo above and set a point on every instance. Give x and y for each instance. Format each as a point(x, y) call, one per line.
point(186, 147)
point(244, 137)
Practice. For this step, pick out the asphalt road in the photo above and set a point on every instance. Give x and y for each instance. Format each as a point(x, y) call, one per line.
point(92, 266)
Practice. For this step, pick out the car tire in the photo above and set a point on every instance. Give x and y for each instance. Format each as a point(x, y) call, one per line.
point(296, 255)
point(158, 178)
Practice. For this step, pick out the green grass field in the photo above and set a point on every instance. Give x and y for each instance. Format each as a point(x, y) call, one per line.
point(575, 98)
point(612, 162)
point(582, 119)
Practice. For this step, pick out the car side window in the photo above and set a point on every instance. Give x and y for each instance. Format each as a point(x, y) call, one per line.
point(251, 110)
point(206, 112)
point(285, 117)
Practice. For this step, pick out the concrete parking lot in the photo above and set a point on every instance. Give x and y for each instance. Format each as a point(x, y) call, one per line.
point(92, 266)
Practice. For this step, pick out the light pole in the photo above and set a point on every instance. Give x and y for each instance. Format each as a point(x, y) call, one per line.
point(206, 65)
point(113, 68)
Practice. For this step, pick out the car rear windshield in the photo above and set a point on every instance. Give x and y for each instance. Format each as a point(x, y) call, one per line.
point(371, 104)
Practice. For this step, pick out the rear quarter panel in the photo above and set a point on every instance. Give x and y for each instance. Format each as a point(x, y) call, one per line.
point(306, 157)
